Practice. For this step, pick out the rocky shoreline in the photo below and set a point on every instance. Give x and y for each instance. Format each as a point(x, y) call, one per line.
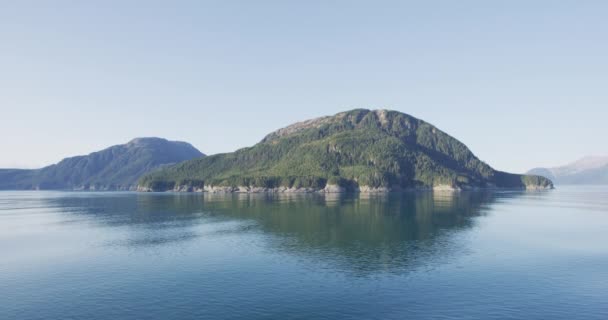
point(327, 189)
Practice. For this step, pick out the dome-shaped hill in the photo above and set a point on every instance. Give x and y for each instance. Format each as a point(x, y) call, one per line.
point(357, 150)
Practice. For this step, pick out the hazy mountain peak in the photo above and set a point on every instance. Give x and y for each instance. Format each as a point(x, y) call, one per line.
point(588, 162)
point(587, 170)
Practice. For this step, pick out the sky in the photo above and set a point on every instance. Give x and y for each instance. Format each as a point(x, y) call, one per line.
point(521, 83)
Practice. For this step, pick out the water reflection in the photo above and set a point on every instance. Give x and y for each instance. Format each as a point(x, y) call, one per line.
point(361, 233)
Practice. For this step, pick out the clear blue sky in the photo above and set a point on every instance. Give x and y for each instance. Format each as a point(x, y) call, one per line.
point(522, 83)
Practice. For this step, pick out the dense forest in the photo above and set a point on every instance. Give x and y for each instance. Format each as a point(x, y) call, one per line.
point(356, 149)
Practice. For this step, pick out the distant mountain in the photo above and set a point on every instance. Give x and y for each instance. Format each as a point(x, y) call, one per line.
point(357, 150)
point(588, 170)
point(115, 168)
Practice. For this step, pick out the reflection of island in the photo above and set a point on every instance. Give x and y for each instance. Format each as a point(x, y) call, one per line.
point(360, 233)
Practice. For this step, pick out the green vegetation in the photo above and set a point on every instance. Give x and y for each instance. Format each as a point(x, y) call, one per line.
point(351, 149)
point(115, 168)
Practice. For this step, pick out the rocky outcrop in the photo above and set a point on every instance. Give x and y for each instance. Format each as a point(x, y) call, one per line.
point(446, 187)
point(334, 188)
point(198, 186)
point(368, 189)
point(538, 187)
point(144, 189)
point(245, 189)
point(187, 188)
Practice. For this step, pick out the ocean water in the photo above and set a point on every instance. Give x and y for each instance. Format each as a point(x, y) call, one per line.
point(419, 255)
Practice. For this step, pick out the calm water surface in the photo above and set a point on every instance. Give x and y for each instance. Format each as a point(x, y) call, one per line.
point(501, 255)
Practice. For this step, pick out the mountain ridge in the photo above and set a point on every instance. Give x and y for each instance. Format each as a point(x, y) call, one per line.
point(114, 168)
point(587, 170)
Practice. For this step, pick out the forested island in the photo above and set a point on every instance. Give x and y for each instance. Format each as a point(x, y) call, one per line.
point(354, 151)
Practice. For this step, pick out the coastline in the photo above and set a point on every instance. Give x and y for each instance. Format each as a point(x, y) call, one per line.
point(336, 189)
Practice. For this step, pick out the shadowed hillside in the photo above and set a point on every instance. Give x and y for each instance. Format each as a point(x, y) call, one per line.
point(115, 168)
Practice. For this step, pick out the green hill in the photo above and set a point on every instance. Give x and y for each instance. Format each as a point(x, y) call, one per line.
point(115, 168)
point(358, 150)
